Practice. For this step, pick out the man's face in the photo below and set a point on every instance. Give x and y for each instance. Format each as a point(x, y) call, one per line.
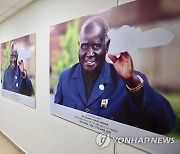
point(13, 58)
point(93, 48)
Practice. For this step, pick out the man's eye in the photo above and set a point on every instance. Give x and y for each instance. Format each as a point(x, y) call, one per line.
point(96, 46)
point(84, 46)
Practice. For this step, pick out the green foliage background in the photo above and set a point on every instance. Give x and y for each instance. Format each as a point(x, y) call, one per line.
point(69, 54)
point(6, 58)
point(174, 99)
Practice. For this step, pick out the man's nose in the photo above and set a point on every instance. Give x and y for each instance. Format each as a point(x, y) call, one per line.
point(90, 52)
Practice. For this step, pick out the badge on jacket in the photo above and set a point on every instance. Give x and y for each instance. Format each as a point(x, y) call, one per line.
point(104, 103)
point(101, 87)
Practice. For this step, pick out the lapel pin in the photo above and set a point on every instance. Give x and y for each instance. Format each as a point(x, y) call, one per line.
point(101, 87)
point(104, 103)
point(16, 77)
point(17, 85)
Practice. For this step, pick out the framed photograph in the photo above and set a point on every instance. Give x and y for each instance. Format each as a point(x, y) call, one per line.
point(116, 72)
point(18, 70)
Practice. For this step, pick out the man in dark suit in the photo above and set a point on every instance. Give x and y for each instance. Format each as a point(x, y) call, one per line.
point(114, 91)
point(15, 76)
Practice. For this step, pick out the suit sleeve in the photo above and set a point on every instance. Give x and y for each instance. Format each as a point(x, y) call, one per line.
point(26, 87)
point(155, 113)
point(4, 81)
point(58, 99)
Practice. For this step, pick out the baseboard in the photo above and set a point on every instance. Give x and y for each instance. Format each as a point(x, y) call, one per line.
point(12, 142)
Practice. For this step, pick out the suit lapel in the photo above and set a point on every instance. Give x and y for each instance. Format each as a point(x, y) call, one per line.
point(15, 83)
point(100, 85)
point(80, 85)
point(9, 76)
point(96, 92)
point(103, 79)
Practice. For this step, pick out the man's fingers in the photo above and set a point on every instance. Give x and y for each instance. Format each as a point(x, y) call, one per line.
point(113, 58)
point(20, 61)
point(127, 58)
point(126, 55)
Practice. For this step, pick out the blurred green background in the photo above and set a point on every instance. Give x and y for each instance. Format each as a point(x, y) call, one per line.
point(6, 58)
point(174, 99)
point(67, 55)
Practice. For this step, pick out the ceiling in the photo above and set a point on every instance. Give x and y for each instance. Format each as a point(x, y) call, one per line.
point(10, 7)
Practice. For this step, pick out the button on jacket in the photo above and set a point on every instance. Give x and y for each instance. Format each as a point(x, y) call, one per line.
point(113, 101)
point(18, 84)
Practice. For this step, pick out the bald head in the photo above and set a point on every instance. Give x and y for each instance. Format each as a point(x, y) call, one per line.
point(95, 26)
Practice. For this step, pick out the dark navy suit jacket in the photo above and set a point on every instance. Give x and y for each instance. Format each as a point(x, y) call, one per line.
point(155, 114)
point(17, 84)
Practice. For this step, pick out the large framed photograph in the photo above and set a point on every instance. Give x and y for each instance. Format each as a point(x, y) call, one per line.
point(18, 70)
point(116, 72)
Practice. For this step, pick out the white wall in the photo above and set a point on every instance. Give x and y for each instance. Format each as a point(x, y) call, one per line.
point(36, 131)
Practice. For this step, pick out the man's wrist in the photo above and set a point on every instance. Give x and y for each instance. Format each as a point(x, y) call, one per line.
point(132, 82)
point(138, 87)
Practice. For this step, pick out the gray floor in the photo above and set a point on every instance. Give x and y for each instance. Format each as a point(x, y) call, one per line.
point(7, 147)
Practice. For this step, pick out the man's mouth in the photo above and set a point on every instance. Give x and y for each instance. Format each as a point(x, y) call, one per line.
point(88, 62)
